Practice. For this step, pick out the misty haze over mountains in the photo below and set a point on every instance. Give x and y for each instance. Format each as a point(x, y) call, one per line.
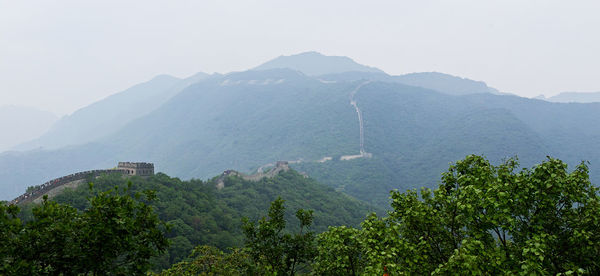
point(112, 113)
point(573, 97)
point(316, 64)
point(297, 108)
point(21, 124)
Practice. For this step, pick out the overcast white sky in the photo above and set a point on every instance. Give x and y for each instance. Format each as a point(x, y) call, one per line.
point(62, 55)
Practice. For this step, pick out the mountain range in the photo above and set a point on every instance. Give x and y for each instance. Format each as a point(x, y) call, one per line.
point(311, 109)
point(106, 116)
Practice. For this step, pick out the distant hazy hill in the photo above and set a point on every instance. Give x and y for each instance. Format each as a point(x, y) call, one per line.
point(112, 113)
point(313, 64)
point(247, 119)
point(440, 82)
point(336, 68)
point(573, 97)
point(445, 83)
point(19, 124)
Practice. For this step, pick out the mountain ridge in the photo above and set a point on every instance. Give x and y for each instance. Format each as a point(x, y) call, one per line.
point(314, 64)
point(103, 117)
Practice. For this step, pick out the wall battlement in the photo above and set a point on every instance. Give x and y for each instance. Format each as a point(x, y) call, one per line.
point(137, 168)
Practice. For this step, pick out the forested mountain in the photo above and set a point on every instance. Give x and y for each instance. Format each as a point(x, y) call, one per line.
point(19, 124)
point(409, 133)
point(573, 97)
point(247, 119)
point(203, 214)
point(112, 113)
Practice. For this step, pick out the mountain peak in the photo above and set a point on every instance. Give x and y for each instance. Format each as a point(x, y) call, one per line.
point(314, 64)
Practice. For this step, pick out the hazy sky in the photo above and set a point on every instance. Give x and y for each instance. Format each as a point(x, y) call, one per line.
point(62, 55)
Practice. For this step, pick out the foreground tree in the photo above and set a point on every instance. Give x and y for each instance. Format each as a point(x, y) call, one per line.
point(340, 252)
point(209, 260)
point(274, 250)
point(489, 219)
point(482, 220)
point(116, 235)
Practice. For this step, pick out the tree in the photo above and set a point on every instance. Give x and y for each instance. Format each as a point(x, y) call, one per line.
point(481, 220)
point(489, 219)
point(10, 229)
point(340, 252)
point(117, 234)
point(274, 250)
point(209, 260)
point(121, 234)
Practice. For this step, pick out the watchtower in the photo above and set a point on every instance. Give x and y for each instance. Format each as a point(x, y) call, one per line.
point(137, 168)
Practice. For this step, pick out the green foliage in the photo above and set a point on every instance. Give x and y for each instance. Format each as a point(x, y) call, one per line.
point(482, 220)
point(10, 228)
point(209, 260)
point(115, 235)
point(201, 214)
point(340, 252)
point(488, 219)
point(414, 134)
point(274, 250)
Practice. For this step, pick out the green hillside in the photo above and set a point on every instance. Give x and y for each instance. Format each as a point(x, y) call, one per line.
point(413, 136)
point(202, 214)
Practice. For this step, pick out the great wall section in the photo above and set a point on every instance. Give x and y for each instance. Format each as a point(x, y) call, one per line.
point(55, 186)
point(362, 152)
point(279, 166)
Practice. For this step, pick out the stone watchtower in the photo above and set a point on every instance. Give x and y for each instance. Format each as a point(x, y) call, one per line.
point(137, 168)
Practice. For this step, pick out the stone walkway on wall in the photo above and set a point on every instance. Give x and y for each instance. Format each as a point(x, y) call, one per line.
point(361, 128)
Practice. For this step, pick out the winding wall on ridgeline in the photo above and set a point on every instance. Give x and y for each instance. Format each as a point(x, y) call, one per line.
point(361, 129)
point(61, 182)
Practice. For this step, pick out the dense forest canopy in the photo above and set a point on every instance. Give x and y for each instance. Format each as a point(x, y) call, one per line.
point(201, 213)
point(481, 219)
